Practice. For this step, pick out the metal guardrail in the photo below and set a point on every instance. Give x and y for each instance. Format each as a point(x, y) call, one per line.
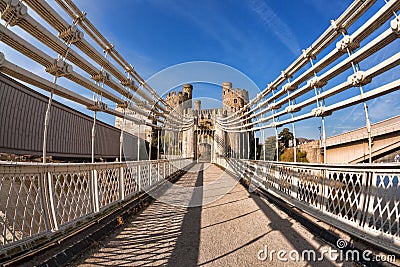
point(40, 200)
point(362, 199)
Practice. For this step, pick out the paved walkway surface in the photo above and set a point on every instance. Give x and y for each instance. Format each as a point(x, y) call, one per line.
point(229, 229)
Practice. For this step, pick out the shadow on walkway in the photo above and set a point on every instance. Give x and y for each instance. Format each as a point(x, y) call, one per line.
point(186, 250)
point(228, 232)
point(161, 235)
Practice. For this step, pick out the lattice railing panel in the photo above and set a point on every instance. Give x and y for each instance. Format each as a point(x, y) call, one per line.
point(168, 169)
point(161, 170)
point(344, 194)
point(270, 177)
point(38, 200)
point(131, 180)
point(259, 174)
point(154, 173)
point(384, 206)
point(286, 180)
point(21, 208)
point(72, 195)
point(309, 187)
point(108, 185)
point(145, 181)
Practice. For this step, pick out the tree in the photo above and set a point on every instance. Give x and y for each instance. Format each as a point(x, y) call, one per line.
point(285, 136)
point(288, 156)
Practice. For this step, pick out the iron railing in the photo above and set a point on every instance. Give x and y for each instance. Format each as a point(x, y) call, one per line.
point(361, 199)
point(39, 200)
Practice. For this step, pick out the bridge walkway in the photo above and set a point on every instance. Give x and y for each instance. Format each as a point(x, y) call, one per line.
point(229, 229)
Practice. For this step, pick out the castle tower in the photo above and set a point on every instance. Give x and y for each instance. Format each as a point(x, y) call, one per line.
point(172, 99)
point(233, 99)
point(226, 90)
point(187, 90)
point(245, 96)
point(197, 106)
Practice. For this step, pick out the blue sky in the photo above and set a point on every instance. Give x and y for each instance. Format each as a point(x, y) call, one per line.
point(258, 38)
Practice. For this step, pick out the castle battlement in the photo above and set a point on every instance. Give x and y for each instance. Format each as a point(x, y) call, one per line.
point(233, 99)
point(180, 100)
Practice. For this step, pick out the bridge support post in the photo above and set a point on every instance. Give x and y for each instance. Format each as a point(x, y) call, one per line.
point(243, 149)
point(263, 145)
point(51, 201)
point(93, 133)
point(151, 139)
point(180, 144)
point(276, 144)
point(294, 142)
point(213, 146)
point(173, 144)
point(248, 145)
point(363, 198)
point(324, 138)
point(176, 143)
point(239, 148)
point(233, 146)
point(164, 146)
point(164, 170)
point(255, 146)
point(138, 143)
point(139, 178)
point(158, 144)
point(368, 124)
point(121, 183)
point(46, 124)
point(158, 171)
point(43, 196)
point(150, 174)
point(276, 131)
point(170, 144)
point(95, 191)
point(46, 194)
point(121, 137)
point(239, 142)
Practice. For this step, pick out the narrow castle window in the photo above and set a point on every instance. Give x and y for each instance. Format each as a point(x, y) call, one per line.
point(235, 101)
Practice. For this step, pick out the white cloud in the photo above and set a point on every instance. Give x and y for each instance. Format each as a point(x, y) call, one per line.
point(275, 24)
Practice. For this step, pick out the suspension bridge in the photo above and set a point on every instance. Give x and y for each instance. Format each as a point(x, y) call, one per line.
point(193, 186)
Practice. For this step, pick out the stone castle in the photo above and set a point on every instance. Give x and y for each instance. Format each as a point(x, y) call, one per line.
point(204, 140)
